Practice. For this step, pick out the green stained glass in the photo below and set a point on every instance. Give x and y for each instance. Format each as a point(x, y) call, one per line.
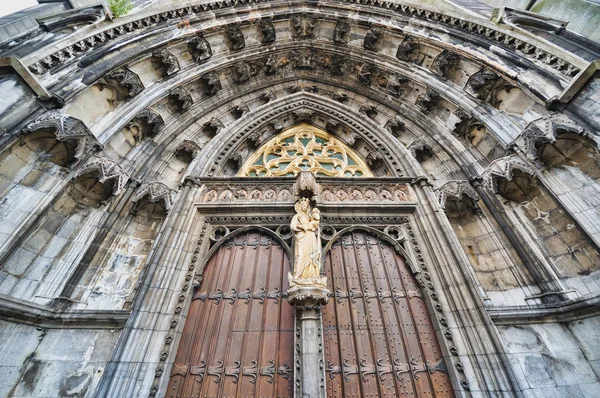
point(358, 173)
point(305, 141)
point(337, 155)
point(317, 152)
point(292, 152)
point(271, 156)
point(321, 141)
point(259, 162)
point(289, 140)
point(327, 166)
point(351, 162)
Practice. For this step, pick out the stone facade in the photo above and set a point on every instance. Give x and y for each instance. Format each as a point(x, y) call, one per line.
point(123, 139)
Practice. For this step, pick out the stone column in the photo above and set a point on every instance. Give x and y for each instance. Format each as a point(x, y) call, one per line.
point(309, 361)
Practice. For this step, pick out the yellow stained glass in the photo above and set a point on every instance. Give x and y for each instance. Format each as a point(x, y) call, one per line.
point(305, 148)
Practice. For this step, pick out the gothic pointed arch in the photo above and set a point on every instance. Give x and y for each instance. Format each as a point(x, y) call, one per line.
point(305, 148)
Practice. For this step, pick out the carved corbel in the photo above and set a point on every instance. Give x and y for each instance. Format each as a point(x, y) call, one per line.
point(105, 170)
point(339, 97)
point(504, 170)
point(128, 80)
point(374, 159)
point(456, 195)
point(267, 96)
point(339, 33)
point(238, 110)
point(407, 49)
point(190, 147)
point(369, 110)
point(420, 150)
point(332, 126)
point(465, 124)
point(544, 131)
point(168, 59)
point(241, 72)
point(306, 185)
point(236, 38)
point(212, 127)
point(152, 118)
point(211, 83)
point(445, 63)
point(396, 85)
point(372, 39)
point(396, 126)
point(480, 83)
point(303, 27)
point(427, 100)
point(268, 32)
point(271, 64)
point(156, 192)
point(66, 128)
point(182, 97)
point(200, 48)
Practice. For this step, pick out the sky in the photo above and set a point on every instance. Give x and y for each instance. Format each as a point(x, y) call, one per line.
point(10, 6)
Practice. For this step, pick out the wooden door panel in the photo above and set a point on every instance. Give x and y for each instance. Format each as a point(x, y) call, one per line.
point(379, 339)
point(238, 338)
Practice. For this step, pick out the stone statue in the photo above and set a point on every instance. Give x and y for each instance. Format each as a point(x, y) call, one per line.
point(307, 246)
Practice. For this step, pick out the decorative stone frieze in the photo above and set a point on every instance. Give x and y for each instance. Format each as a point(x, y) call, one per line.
point(66, 128)
point(105, 170)
point(365, 193)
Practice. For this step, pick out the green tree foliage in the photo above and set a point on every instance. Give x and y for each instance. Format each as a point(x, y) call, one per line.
point(119, 7)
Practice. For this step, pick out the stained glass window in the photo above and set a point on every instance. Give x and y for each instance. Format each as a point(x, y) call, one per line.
point(305, 148)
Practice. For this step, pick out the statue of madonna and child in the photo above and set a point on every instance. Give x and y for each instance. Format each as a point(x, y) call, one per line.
point(307, 247)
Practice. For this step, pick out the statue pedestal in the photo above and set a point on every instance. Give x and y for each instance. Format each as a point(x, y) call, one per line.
point(310, 364)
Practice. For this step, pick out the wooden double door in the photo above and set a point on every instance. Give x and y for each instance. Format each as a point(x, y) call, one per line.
point(238, 339)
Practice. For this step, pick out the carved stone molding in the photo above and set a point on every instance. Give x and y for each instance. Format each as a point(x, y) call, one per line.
point(304, 30)
point(505, 168)
point(545, 130)
point(246, 192)
point(455, 191)
point(66, 128)
point(168, 59)
point(156, 192)
point(183, 97)
point(128, 80)
point(106, 170)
